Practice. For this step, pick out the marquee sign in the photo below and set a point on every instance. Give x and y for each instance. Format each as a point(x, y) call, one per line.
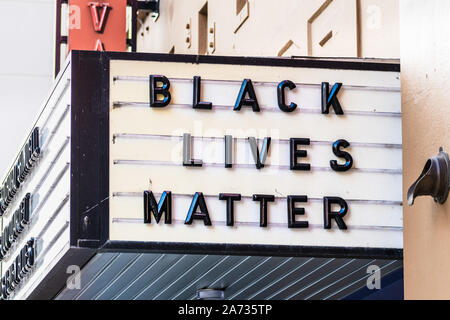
point(204, 155)
point(254, 154)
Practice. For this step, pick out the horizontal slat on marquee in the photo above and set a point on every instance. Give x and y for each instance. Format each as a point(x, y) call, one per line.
point(217, 123)
point(197, 233)
point(212, 152)
point(248, 182)
point(363, 215)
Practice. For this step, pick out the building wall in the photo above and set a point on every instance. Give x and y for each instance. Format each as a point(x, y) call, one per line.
point(26, 66)
point(333, 28)
point(425, 30)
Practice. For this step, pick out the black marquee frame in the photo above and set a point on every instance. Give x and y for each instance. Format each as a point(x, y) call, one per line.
point(89, 190)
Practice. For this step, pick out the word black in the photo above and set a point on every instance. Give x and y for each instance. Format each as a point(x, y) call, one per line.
point(160, 95)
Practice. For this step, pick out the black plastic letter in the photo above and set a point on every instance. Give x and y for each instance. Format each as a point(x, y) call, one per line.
point(31, 253)
point(330, 98)
point(338, 216)
point(263, 199)
point(228, 151)
point(158, 209)
point(342, 154)
point(293, 211)
point(198, 201)
point(295, 154)
point(281, 98)
point(197, 104)
point(259, 157)
point(230, 198)
point(156, 90)
point(251, 101)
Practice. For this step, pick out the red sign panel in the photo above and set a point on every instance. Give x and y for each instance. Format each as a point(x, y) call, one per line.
point(97, 25)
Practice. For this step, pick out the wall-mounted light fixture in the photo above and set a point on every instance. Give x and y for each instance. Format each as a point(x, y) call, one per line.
point(434, 180)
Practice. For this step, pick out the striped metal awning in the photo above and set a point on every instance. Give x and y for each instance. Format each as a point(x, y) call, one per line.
point(148, 276)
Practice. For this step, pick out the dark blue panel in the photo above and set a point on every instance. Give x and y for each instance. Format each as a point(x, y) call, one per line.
point(391, 289)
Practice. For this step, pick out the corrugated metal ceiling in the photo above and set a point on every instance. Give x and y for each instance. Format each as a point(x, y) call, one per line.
point(127, 276)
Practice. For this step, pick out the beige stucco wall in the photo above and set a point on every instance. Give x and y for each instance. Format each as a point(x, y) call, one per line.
point(358, 28)
point(425, 59)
